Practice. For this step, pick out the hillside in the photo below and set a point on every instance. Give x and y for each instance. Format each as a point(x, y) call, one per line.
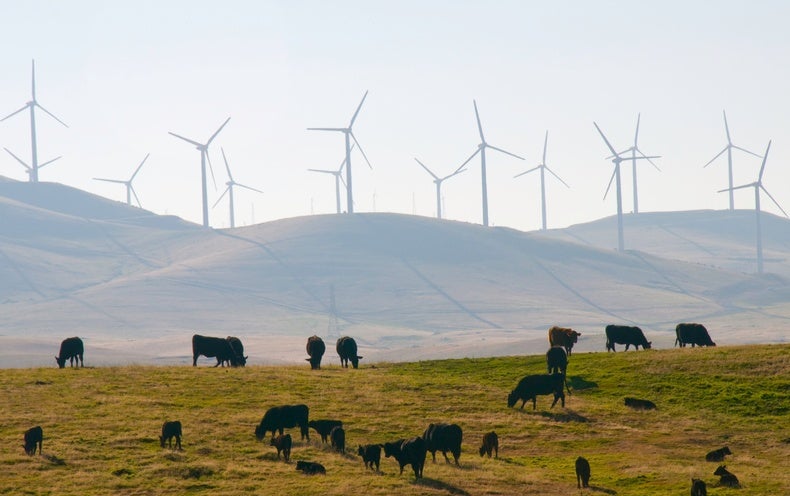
point(102, 439)
point(136, 286)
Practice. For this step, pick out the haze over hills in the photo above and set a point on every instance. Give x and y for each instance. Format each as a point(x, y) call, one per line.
point(136, 285)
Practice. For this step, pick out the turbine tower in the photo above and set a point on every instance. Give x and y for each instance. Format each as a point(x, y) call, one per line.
point(129, 188)
point(229, 190)
point(338, 179)
point(203, 147)
point(481, 149)
point(349, 134)
point(758, 185)
point(543, 168)
point(438, 181)
point(616, 159)
point(634, 150)
point(32, 170)
point(728, 148)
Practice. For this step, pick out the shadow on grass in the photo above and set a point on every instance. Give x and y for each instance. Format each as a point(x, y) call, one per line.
point(566, 416)
point(602, 490)
point(271, 457)
point(443, 486)
point(54, 460)
point(580, 384)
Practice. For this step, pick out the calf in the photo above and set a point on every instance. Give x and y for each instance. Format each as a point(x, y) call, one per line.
point(582, 472)
point(490, 443)
point(370, 453)
point(324, 427)
point(531, 386)
point(556, 360)
point(283, 444)
point(33, 437)
point(638, 404)
point(718, 455)
point(315, 349)
point(408, 452)
point(727, 478)
point(170, 430)
point(71, 349)
point(444, 438)
point(338, 438)
point(698, 488)
point(563, 336)
point(310, 468)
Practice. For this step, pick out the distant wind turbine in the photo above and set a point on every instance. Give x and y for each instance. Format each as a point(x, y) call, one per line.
point(203, 147)
point(634, 150)
point(349, 134)
point(32, 170)
point(728, 148)
point(758, 185)
point(543, 168)
point(438, 181)
point(338, 179)
point(129, 188)
point(616, 159)
point(481, 149)
point(229, 190)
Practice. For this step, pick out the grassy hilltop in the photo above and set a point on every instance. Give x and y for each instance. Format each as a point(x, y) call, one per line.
point(101, 425)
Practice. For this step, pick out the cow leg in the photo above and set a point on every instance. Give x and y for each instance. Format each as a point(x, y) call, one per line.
point(535, 402)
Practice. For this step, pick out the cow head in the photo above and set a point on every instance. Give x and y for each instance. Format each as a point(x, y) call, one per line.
point(648, 345)
point(30, 449)
point(260, 431)
point(574, 336)
point(61, 362)
point(355, 361)
point(512, 398)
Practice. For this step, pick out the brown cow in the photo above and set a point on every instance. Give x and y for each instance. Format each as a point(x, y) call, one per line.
point(563, 336)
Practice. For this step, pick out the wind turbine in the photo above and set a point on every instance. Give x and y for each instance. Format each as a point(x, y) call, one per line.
point(349, 133)
point(32, 170)
point(129, 188)
point(481, 149)
point(543, 168)
point(338, 179)
point(229, 190)
point(203, 147)
point(728, 149)
point(634, 150)
point(758, 185)
point(616, 159)
point(438, 181)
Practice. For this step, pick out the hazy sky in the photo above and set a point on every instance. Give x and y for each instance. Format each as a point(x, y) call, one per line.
point(123, 74)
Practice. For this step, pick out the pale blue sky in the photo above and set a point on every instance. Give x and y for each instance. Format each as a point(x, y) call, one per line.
point(122, 74)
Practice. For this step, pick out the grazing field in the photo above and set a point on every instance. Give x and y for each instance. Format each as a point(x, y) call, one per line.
point(101, 426)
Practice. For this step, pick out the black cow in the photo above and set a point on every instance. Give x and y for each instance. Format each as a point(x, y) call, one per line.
point(627, 335)
point(638, 404)
point(347, 350)
point(170, 430)
point(71, 349)
point(531, 386)
point(238, 349)
point(556, 360)
point(408, 452)
point(278, 418)
point(444, 438)
point(693, 334)
point(33, 437)
point(282, 443)
point(718, 455)
point(338, 438)
point(324, 427)
point(582, 472)
point(370, 453)
point(698, 487)
point(316, 349)
point(490, 443)
point(213, 347)
point(310, 468)
point(727, 478)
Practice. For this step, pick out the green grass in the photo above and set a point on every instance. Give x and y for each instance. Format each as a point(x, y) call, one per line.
point(101, 425)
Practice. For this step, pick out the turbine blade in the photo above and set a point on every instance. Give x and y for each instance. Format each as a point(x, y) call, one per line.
point(558, 177)
point(210, 168)
point(343, 163)
point(186, 139)
point(717, 156)
point(527, 171)
point(622, 152)
point(354, 117)
point(470, 158)
point(109, 180)
point(453, 174)
point(505, 152)
point(361, 150)
point(762, 167)
point(545, 143)
point(227, 167)
point(139, 167)
point(727, 127)
point(648, 159)
point(610, 183)
point(217, 132)
point(33, 79)
point(50, 114)
point(17, 159)
point(134, 193)
point(221, 197)
point(742, 186)
point(49, 161)
point(321, 170)
point(341, 129)
point(636, 135)
point(427, 169)
point(605, 140)
point(14, 113)
point(747, 151)
point(773, 200)
point(248, 187)
point(479, 126)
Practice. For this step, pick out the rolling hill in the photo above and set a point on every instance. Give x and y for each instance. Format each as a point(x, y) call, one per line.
point(136, 285)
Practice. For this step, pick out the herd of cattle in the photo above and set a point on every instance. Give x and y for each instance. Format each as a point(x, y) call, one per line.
point(444, 437)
